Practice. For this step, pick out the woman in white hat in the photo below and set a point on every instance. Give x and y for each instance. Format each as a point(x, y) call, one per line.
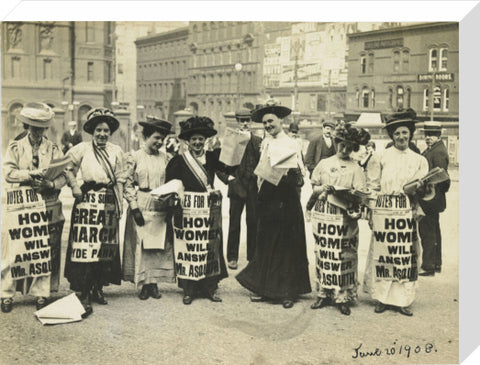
point(147, 257)
point(25, 163)
point(93, 257)
point(338, 286)
point(391, 273)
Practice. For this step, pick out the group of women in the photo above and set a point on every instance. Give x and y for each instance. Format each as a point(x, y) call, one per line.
point(280, 267)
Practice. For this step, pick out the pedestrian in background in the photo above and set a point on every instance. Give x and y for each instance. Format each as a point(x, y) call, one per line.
point(101, 165)
point(320, 147)
point(147, 259)
point(242, 191)
point(279, 269)
point(429, 227)
point(71, 137)
point(25, 163)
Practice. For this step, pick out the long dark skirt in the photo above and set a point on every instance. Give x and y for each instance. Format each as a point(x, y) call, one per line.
point(279, 269)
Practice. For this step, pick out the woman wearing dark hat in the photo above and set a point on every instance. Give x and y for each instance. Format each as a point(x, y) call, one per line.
point(339, 170)
point(102, 168)
point(147, 257)
point(398, 166)
point(25, 163)
point(279, 268)
point(196, 168)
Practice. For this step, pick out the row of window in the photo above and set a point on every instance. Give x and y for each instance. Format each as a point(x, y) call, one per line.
point(158, 70)
point(400, 97)
point(225, 83)
point(162, 90)
point(173, 47)
point(214, 31)
point(438, 61)
point(228, 57)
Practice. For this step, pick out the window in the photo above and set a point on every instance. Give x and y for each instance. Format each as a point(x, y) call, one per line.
point(433, 60)
point(365, 97)
point(47, 69)
point(89, 32)
point(400, 97)
point(405, 60)
point(408, 97)
point(120, 68)
point(90, 71)
point(446, 99)
point(443, 59)
point(357, 97)
point(426, 96)
point(108, 72)
point(396, 61)
point(370, 62)
point(363, 65)
point(372, 94)
point(390, 98)
point(437, 98)
point(15, 66)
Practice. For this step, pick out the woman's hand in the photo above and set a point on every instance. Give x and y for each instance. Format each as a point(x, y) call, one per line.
point(37, 174)
point(138, 217)
point(41, 184)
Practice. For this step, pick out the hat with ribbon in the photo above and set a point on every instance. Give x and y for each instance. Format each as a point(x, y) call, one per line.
point(100, 115)
point(36, 115)
point(271, 107)
point(401, 118)
point(432, 128)
point(356, 136)
point(197, 125)
point(160, 125)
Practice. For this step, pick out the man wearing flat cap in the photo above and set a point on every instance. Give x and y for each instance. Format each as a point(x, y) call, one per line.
point(429, 227)
point(279, 268)
point(242, 191)
point(71, 138)
point(320, 147)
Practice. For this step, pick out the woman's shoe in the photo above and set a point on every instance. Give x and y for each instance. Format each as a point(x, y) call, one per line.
point(88, 310)
point(7, 305)
point(257, 298)
point(214, 297)
point(40, 302)
point(405, 311)
point(344, 309)
point(154, 293)
point(98, 296)
point(380, 307)
point(287, 303)
point(187, 299)
point(319, 303)
point(144, 293)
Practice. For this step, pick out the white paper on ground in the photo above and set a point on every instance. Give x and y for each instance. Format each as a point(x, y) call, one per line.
point(65, 310)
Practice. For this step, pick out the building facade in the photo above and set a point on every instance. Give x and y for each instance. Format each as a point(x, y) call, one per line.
point(67, 65)
point(162, 72)
point(414, 66)
point(225, 72)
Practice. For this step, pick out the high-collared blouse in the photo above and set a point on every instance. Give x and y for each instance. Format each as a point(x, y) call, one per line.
point(18, 161)
point(396, 168)
point(336, 171)
point(144, 169)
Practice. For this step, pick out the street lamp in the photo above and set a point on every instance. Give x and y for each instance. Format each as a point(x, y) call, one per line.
point(238, 69)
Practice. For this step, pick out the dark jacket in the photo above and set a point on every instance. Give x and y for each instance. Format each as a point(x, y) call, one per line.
point(437, 156)
point(245, 181)
point(68, 138)
point(317, 150)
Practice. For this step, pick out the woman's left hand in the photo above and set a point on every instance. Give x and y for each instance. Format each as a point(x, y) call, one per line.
point(42, 184)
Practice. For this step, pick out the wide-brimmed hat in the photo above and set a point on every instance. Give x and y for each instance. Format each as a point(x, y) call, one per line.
point(271, 107)
point(350, 134)
point(162, 126)
point(36, 114)
point(402, 118)
point(99, 115)
point(432, 127)
point(197, 125)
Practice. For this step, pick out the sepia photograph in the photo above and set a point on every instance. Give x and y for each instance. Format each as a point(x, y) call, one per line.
point(230, 191)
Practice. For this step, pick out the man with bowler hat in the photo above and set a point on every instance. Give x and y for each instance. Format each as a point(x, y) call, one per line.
point(242, 191)
point(320, 147)
point(429, 227)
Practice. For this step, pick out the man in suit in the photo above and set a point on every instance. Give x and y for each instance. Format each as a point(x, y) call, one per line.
point(429, 226)
point(320, 147)
point(242, 191)
point(71, 137)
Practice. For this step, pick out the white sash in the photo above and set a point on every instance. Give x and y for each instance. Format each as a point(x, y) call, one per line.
point(197, 169)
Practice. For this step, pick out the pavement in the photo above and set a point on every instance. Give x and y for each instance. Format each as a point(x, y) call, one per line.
point(237, 331)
